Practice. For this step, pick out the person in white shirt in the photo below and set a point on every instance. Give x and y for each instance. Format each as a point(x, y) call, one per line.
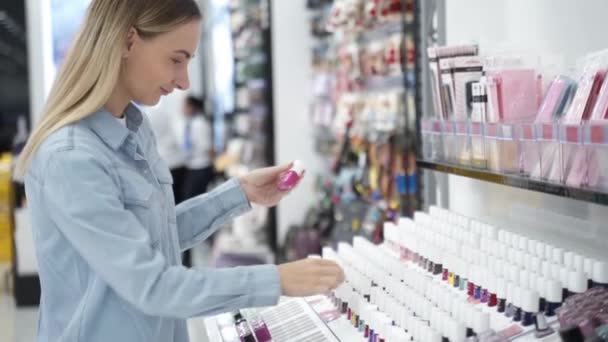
point(196, 142)
point(165, 126)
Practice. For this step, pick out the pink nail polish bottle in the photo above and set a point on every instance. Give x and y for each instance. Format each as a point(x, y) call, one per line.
point(290, 179)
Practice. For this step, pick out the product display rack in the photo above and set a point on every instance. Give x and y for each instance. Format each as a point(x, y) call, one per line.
point(252, 47)
point(555, 189)
point(347, 52)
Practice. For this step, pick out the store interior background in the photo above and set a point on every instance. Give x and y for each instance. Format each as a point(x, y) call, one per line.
point(560, 27)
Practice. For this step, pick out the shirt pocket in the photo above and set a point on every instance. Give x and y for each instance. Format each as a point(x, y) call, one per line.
point(165, 179)
point(138, 198)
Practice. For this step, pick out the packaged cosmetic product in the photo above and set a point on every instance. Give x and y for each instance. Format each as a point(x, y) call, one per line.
point(517, 94)
point(493, 113)
point(436, 54)
point(600, 111)
point(556, 100)
point(479, 102)
point(291, 178)
point(465, 71)
point(447, 87)
point(586, 96)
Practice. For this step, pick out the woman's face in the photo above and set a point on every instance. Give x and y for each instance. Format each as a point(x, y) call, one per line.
point(156, 66)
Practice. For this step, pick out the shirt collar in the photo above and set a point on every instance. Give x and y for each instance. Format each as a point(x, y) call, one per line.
point(110, 130)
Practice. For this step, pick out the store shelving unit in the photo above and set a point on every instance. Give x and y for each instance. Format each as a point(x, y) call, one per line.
point(587, 195)
point(252, 47)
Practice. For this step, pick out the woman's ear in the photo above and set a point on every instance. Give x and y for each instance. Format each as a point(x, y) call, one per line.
point(132, 35)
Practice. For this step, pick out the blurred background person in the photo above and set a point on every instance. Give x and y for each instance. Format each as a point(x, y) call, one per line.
point(165, 125)
point(196, 142)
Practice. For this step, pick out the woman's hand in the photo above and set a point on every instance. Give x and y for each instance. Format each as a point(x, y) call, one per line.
point(260, 185)
point(309, 277)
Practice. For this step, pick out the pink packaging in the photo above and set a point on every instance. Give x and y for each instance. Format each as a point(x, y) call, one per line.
point(517, 94)
point(586, 97)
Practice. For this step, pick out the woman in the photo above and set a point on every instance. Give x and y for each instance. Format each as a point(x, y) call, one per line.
point(107, 233)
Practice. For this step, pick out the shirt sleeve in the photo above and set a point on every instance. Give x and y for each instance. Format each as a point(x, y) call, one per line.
point(201, 216)
point(85, 204)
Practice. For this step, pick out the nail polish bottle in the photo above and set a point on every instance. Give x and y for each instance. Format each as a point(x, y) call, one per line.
point(564, 277)
point(541, 287)
point(530, 307)
point(243, 328)
point(492, 284)
point(568, 259)
point(558, 256)
point(600, 274)
point(577, 283)
point(542, 328)
point(501, 295)
point(540, 250)
point(291, 178)
point(578, 262)
point(554, 297)
point(510, 308)
point(588, 265)
point(457, 331)
point(481, 322)
point(517, 304)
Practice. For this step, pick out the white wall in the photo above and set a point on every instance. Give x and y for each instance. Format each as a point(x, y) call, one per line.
point(291, 43)
point(543, 27)
point(40, 54)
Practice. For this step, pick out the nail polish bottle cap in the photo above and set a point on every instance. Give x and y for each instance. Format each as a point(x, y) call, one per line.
point(564, 276)
point(568, 259)
point(458, 331)
point(530, 301)
point(546, 269)
point(549, 252)
point(553, 292)
point(558, 256)
point(578, 263)
point(448, 324)
point(541, 286)
point(510, 291)
point(556, 271)
point(578, 282)
point(520, 258)
point(513, 273)
point(518, 296)
point(515, 240)
point(501, 236)
point(600, 272)
point(434, 336)
point(524, 278)
point(535, 265)
point(588, 264)
point(523, 243)
point(532, 281)
point(492, 231)
point(540, 249)
point(481, 321)
point(501, 288)
point(298, 167)
point(532, 246)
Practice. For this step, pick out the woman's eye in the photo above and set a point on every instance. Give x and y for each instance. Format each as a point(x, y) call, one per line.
point(176, 61)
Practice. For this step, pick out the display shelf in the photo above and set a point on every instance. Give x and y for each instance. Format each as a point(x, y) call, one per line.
point(586, 195)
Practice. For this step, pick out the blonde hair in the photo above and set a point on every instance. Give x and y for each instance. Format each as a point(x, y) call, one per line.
point(91, 68)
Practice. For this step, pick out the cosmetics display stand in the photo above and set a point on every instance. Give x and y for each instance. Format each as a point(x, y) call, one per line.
point(252, 120)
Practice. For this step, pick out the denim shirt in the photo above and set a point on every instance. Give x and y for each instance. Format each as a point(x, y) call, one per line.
point(109, 238)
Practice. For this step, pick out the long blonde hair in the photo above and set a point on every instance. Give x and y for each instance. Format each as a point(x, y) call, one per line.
point(91, 68)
